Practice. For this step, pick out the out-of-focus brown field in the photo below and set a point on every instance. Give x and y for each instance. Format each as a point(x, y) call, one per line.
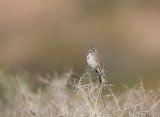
point(39, 38)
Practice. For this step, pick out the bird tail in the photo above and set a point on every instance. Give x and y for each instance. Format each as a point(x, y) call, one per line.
point(99, 75)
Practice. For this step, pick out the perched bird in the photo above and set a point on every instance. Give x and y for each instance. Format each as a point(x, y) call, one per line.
point(93, 62)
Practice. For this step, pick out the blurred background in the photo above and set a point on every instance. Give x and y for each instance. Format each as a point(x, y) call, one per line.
point(43, 36)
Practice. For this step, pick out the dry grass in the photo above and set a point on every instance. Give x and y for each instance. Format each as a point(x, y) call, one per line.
point(90, 99)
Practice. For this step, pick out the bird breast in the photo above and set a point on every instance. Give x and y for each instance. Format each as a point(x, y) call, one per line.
point(91, 61)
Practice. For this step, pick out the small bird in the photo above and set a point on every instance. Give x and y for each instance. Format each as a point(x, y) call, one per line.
point(93, 62)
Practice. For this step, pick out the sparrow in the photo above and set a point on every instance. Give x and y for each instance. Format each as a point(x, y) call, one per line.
point(93, 62)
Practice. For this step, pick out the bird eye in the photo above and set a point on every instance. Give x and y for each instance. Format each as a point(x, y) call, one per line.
point(94, 49)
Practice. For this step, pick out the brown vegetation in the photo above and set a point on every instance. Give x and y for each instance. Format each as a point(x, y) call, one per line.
point(64, 96)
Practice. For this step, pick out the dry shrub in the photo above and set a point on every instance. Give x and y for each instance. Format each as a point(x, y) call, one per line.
point(91, 99)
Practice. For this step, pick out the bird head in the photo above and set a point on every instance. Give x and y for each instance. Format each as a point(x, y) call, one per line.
point(93, 51)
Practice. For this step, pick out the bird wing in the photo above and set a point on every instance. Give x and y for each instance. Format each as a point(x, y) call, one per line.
point(97, 61)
